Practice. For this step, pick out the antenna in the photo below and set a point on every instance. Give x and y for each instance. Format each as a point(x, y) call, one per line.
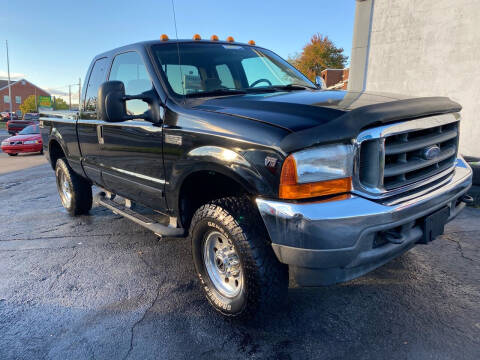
point(178, 51)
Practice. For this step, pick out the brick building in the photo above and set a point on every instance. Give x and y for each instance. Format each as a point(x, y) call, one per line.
point(20, 89)
point(335, 78)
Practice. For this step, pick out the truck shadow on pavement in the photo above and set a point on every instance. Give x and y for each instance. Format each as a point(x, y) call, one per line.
point(100, 286)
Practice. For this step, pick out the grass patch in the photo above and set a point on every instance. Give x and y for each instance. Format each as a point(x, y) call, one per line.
point(3, 125)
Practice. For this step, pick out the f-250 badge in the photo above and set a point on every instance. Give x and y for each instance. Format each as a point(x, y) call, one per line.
point(270, 162)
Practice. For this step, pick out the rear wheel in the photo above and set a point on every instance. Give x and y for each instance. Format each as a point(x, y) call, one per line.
point(75, 192)
point(234, 260)
point(13, 154)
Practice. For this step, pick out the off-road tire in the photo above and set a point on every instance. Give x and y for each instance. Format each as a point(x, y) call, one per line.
point(265, 283)
point(80, 189)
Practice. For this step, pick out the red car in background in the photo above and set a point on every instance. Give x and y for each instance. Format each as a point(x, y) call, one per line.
point(15, 126)
point(26, 141)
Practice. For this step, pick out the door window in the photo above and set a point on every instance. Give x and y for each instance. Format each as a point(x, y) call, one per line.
point(97, 77)
point(184, 79)
point(261, 67)
point(130, 69)
point(225, 76)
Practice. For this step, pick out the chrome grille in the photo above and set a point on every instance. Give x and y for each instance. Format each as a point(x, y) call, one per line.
point(398, 157)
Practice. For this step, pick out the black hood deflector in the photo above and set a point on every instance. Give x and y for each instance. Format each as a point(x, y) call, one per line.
point(349, 125)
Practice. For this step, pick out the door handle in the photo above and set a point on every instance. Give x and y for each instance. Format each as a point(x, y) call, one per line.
point(101, 141)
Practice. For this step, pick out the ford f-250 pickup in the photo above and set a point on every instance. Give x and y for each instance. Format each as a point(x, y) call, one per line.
point(268, 174)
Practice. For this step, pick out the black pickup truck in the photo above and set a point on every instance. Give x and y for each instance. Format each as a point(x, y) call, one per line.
point(268, 174)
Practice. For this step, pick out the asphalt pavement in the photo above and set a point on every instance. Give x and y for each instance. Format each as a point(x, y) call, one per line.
point(102, 287)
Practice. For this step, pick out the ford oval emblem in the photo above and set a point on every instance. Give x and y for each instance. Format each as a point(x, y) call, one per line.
point(431, 152)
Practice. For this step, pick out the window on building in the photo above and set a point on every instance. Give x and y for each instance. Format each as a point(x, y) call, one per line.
point(130, 69)
point(6, 99)
point(97, 77)
point(18, 99)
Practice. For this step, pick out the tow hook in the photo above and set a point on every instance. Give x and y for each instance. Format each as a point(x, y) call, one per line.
point(467, 199)
point(394, 237)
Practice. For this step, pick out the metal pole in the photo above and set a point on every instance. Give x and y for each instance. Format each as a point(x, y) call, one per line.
point(8, 70)
point(69, 97)
point(79, 92)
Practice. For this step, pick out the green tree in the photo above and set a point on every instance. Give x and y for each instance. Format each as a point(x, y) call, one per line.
point(319, 54)
point(60, 104)
point(29, 105)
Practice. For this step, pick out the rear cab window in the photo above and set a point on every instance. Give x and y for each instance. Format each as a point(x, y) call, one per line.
point(97, 77)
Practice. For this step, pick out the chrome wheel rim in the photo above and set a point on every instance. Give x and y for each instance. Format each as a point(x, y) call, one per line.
point(223, 264)
point(64, 190)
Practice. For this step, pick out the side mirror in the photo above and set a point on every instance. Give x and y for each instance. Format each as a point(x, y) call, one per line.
point(111, 103)
point(320, 82)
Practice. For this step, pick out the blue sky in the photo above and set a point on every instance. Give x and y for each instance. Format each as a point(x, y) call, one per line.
point(52, 42)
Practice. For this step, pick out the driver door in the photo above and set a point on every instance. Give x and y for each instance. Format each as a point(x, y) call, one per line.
point(132, 150)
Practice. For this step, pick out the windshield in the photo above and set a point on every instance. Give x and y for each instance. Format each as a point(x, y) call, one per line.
point(32, 129)
point(213, 69)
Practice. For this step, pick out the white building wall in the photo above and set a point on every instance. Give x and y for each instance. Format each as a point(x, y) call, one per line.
point(429, 48)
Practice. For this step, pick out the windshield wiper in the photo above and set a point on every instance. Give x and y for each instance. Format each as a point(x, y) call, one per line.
point(274, 88)
point(217, 92)
point(293, 87)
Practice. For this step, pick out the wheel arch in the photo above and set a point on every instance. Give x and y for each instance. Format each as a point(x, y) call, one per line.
point(203, 185)
point(55, 152)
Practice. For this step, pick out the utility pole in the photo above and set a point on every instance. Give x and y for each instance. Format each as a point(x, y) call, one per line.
point(8, 70)
point(69, 97)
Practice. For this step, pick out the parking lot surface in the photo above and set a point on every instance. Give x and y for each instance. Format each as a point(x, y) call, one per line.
point(100, 286)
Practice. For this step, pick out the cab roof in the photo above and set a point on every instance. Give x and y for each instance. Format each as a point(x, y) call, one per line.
point(143, 44)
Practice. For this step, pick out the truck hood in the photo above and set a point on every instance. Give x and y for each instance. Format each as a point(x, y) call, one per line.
point(320, 117)
point(295, 110)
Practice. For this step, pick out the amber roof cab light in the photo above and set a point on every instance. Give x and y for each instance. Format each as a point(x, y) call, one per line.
point(292, 190)
point(251, 42)
point(197, 37)
point(214, 38)
point(164, 37)
point(230, 39)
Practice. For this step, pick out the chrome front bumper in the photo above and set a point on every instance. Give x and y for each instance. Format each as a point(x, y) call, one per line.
point(338, 240)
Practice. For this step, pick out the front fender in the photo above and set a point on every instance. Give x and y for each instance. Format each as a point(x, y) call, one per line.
point(236, 165)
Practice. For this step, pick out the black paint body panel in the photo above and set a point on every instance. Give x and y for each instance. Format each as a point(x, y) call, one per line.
point(137, 159)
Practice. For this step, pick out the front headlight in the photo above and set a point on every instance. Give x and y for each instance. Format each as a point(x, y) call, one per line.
point(28, 142)
point(322, 170)
point(5, 143)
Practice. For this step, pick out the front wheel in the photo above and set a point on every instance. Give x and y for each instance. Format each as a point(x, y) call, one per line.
point(75, 192)
point(234, 260)
point(13, 154)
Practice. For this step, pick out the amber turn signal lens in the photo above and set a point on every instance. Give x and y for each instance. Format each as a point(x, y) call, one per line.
point(310, 190)
point(197, 37)
point(164, 37)
point(291, 189)
point(251, 42)
point(214, 38)
point(230, 39)
point(289, 171)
